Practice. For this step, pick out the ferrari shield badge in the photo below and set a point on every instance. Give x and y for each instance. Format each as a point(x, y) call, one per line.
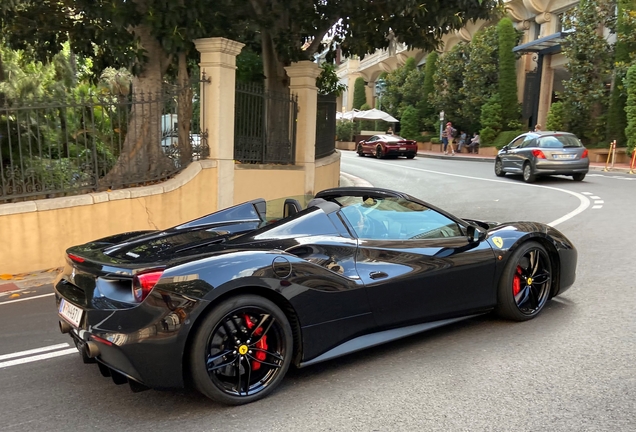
point(498, 241)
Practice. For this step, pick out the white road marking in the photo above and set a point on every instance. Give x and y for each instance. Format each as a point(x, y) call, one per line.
point(595, 197)
point(599, 201)
point(597, 207)
point(38, 357)
point(26, 298)
point(33, 351)
point(587, 193)
point(584, 201)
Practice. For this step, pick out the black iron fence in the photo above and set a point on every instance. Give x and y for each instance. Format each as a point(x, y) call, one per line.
point(326, 126)
point(264, 125)
point(96, 142)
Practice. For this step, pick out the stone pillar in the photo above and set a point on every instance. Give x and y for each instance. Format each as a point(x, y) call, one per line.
point(302, 83)
point(545, 95)
point(218, 63)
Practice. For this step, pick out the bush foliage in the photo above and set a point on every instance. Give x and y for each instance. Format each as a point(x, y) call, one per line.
point(359, 95)
point(555, 117)
point(344, 130)
point(630, 109)
point(410, 124)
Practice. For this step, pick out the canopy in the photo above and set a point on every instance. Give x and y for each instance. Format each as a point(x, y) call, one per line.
point(348, 115)
point(375, 114)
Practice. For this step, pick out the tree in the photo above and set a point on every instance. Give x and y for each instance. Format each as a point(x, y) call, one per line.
point(426, 108)
point(630, 108)
point(589, 54)
point(410, 124)
point(449, 80)
point(624, 53)
point(480, 77)
point(508, 75)
point(404, 88)
point(154, 37)
point(491, 116)
point(328, 82)
point(359, 94)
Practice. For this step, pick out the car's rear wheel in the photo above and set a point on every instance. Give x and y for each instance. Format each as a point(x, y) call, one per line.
point(499, 171)
point(360, 151)
point(528, 175)
point(525, 284)
point(241, 351)
point(378, 152)
point(410, 156)
point(578, 176)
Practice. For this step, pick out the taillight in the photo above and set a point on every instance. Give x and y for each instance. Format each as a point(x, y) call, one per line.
point(538, 154)
point(143, 283)
point(76, 258)
point(584, 154)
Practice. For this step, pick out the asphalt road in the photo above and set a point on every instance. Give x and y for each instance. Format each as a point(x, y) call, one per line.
point(571, 369)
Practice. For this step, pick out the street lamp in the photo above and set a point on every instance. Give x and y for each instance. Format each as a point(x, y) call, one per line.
point(441, 124)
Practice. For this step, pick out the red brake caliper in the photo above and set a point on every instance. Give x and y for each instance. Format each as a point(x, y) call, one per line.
point(516, 282)
point(261, 344)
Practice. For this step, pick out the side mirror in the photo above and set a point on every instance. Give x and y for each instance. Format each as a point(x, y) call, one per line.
point(474, 234)
point(505, 148)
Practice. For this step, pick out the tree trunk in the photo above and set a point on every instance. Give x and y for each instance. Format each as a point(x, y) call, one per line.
point(142, 158)
point(276, 106)
point(184, 111)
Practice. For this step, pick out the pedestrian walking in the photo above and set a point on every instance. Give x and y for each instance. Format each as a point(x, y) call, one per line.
point(450, 133)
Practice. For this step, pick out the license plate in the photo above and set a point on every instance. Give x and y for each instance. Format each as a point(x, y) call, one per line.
point(564, 156)
point(402, 148)
point(70, 312)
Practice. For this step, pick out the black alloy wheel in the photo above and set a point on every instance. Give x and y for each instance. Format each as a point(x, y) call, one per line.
point(499, 171)
point(578, 176)
point(241, 351)
point(526, 282)
point(378, 152)
point(528, 175)
point(410, 156)
point(360, 151)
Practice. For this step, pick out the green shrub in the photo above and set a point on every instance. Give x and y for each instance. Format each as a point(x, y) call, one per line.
point(409, 123)
point(630, 109)
point(505, 137)
point(508, 74)
point(555, 117)
point(436, 140)
point(359, 95)
point(344, 130)
point(487, 137)
point(366, 124)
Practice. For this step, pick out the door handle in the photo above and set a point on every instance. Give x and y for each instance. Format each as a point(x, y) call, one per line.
point(378, 275)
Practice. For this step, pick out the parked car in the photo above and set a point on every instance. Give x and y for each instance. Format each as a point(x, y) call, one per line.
point(382, 146)
point(536, 154)
point(229, 301)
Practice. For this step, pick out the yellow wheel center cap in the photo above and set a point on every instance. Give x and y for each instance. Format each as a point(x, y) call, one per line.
point(243, 349)
point(529, 281)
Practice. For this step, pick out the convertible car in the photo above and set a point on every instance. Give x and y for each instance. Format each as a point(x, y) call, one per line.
point(229, 301)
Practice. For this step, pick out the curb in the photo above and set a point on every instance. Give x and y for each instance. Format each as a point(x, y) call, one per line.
point(12, 283)
point(351, 180)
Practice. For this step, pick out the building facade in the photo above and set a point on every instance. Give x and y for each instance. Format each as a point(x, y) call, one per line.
point(541, 67)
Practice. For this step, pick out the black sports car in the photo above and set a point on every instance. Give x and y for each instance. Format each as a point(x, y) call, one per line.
point(228, 301)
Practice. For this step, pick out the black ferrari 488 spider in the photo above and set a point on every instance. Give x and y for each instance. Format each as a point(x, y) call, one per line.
point(229, 301)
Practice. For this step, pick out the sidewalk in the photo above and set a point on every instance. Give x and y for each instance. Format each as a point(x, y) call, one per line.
point(12, 283)
point(594, 166)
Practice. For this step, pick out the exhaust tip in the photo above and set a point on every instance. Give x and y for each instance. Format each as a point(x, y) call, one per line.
point(64, 327)
point(91, 349)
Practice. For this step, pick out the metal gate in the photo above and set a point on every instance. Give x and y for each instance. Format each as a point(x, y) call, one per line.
point(325, 126)
point(264, 125)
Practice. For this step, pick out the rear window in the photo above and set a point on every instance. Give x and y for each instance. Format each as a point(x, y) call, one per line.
point(559, 141)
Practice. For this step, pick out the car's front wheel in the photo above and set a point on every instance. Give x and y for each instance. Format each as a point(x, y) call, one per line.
point(578, 176)
point(499, 171)
point(378, 152)
point(528, 175)
point(525, 284)
point(410, 156)
point(241, 350)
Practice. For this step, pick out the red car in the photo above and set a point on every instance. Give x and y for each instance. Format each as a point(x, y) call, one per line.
point(387, 145)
